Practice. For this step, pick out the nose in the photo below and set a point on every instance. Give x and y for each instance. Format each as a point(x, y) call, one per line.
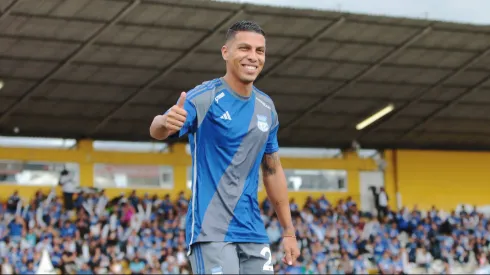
point(252, 56)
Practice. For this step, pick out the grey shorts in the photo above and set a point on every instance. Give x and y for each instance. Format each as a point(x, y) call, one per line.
point(231, 258)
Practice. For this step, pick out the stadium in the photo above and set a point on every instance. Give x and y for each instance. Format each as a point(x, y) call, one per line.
point(383, 131)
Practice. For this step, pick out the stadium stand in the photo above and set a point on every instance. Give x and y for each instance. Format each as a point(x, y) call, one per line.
point(134, 235)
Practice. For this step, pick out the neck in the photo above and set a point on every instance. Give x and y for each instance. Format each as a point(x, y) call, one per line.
point(238, 86)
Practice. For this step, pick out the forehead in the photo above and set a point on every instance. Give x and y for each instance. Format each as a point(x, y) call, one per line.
point(251, 38)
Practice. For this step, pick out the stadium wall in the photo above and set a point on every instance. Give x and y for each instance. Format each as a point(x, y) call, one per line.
point(443, 178)
point(180, 160)
point(422, 178)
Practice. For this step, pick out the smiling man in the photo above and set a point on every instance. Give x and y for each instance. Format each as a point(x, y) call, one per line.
point(232, 128)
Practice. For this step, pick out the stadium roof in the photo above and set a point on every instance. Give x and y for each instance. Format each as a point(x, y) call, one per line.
point(103, 68)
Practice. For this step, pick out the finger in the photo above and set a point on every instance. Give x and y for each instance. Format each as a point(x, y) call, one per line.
point(174, 122)
point(181, 101)
point(289, 258)
point(177, 117)
point(179, 110)
point(173, 128)
point(296, 254)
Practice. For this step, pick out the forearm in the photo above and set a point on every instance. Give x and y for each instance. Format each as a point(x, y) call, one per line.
point(157, 130)
point(278, 194)
point(276, 187)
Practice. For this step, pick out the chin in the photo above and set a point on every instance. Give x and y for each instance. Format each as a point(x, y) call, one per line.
point(248, 79)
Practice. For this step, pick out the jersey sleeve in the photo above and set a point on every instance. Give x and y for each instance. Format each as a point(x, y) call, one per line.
point(272, 145)
point(190, 122)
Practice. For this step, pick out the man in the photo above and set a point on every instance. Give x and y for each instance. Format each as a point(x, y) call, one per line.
point(232, 129)
point(69, 187)
point(383, 203)
point(13, 203)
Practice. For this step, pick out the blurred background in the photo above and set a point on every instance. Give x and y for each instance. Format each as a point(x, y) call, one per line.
point(384, 132)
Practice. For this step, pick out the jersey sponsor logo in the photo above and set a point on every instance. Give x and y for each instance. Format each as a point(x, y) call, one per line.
point(225, 116)
point(218, 97)
point(263, 103)
point(262, 123)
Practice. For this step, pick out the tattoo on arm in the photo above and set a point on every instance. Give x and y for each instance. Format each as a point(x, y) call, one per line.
point(278, 202)
point(269, 164)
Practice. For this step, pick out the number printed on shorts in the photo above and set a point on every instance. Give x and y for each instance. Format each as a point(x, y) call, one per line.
point(267, 266)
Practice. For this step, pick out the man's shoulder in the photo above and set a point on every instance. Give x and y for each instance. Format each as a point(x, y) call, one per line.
point(205, 89)
point(264, 99)
point(263, 96)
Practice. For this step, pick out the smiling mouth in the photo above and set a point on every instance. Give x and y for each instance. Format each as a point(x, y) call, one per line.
point(250, 68)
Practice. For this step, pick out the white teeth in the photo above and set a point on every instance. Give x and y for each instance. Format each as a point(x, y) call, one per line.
point(251, 68)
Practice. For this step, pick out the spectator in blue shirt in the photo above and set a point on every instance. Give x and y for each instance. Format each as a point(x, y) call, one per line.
point(29, 270)
point(16, 228)
point(385, 264)
point(137, 266)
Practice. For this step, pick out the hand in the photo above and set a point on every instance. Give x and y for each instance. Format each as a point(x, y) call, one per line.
point(291, 250)
point(175, 118)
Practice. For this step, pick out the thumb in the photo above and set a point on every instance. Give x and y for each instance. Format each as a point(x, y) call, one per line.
point(181, 101)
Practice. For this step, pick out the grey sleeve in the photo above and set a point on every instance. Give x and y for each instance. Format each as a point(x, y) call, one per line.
point(202, 103)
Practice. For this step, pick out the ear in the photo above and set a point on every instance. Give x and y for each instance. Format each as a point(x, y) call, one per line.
point(224, 52)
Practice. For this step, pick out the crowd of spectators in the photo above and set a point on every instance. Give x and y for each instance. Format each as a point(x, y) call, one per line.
point(339, 239)
point(131, 234)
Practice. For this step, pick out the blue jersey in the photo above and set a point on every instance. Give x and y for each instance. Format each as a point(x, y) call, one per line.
point(228, 136)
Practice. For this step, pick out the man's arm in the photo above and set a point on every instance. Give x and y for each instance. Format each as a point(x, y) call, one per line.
point(277, 190)
point(171, 122)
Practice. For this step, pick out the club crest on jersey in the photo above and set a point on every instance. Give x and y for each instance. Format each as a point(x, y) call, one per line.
point(262, 123)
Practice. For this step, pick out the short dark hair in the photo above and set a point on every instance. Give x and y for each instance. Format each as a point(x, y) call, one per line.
point(243, 26)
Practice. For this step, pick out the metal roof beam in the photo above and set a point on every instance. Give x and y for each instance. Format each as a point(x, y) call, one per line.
point(315, 38)
point(361, 75)
point(102, 21)
point(269, 35)
point(388, 23)
point(9, 9)
point(156, 67)
point(157, 78)
point(422, 93)
point(196, 5)
point(81, 49)
point(132, 86)
point(446, 106)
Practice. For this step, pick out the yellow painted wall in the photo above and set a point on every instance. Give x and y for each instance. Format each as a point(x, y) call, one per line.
point(180, 160)
point(444, 179)
point(87, 157)
point(421, 177)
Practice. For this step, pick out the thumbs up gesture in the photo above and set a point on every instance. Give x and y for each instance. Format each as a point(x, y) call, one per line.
point(176, 116)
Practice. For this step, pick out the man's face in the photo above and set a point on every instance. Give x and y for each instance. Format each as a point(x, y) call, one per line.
point(245, 55)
